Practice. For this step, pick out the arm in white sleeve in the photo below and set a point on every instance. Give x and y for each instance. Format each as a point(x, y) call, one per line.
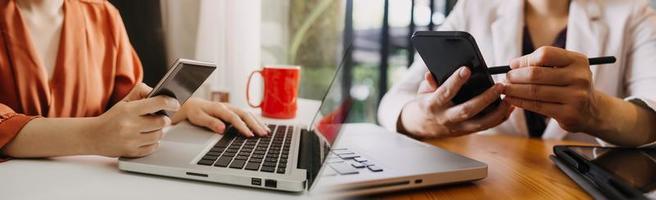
point(640, 80)
point(406, 89)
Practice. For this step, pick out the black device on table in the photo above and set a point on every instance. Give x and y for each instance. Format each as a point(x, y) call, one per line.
point(444, 52)
point(182, 80)
point(610, 173)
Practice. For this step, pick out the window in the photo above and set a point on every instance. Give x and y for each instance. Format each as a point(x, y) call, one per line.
point(315, 33)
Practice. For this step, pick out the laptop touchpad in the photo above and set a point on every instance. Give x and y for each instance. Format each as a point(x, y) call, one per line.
point(187, 133)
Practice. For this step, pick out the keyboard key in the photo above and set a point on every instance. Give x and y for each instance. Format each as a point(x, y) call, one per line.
point(360, 159)
point(237, 164)
point(343, 168)
point(348, 156)
point(358, 165)
point(257, 160)
point(374, 168)
point(205, 162)
point(269, 164)
point(280, 171)
point(223, 161)
point(241, 158)
point(260, 156)
point(267, 169)
point(229, 154)
point(213, 153)
point(208, 157)
point(252, 166)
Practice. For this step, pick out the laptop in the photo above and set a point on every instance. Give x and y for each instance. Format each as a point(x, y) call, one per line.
point(354, 159)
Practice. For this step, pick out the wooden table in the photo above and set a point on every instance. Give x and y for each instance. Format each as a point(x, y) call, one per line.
point(518, 168)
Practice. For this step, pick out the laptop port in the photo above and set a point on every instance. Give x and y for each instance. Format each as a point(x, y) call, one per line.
point(270, 183)
point(197, 174)
point(419, 181)
point(256, 181)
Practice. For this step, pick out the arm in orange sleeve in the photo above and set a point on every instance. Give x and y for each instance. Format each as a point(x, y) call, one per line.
point(11, 124)
point(129, 70)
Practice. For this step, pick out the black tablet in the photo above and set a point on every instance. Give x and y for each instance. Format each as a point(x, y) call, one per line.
point(615, 173)
point(182, 80)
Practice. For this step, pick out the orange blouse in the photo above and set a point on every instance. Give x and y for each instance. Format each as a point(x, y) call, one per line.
point(95, 67)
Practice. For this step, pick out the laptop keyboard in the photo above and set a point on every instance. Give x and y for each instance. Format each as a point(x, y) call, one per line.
point(265, 154)
point(346, 162)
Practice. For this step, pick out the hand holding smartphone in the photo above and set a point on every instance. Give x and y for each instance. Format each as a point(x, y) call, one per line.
point(446, 51)
point(182, 80)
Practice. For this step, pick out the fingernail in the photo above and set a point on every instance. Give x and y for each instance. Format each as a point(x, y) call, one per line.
point(464, 72)
point(175, 103)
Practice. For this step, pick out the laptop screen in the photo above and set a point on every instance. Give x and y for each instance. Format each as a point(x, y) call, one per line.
point(326, 125)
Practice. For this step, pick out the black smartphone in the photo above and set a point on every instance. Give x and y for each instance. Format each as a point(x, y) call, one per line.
point(446, 51)
point(182, 80)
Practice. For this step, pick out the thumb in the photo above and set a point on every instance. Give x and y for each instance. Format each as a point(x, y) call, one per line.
point(139, 91)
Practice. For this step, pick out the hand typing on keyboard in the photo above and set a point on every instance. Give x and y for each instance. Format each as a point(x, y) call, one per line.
point(215, 115)
point(266, 154)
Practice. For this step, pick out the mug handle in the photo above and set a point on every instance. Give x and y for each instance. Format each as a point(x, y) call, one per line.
point(248, 88)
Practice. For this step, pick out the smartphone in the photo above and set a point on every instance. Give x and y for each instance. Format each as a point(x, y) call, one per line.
point(182, 80)
point(446, 51)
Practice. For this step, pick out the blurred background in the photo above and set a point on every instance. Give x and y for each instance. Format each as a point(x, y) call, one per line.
point(242, 36)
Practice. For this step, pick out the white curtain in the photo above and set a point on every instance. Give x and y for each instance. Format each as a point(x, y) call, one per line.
point(225, 32)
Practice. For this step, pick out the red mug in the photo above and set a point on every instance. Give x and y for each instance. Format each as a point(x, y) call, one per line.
point(280, 91)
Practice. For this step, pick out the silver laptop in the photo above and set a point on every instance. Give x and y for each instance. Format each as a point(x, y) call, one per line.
point(351, 158)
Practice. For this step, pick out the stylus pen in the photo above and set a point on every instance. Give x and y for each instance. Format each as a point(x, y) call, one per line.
point(593, 61)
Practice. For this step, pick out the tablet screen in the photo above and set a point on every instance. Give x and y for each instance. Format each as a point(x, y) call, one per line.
point(637, 167)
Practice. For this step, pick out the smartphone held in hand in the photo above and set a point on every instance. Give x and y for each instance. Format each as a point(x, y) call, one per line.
point(444, 52)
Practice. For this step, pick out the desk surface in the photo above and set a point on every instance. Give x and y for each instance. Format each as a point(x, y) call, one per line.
point(518, 167)
point(96, 177)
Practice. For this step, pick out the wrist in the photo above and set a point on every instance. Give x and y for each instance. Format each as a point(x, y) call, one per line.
point(409, 119)
point(88, 135)
point(605, 119)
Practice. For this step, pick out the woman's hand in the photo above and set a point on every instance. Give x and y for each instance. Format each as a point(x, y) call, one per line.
point(433, 114)
point(212, 115)
point(129, 128)
point(556, 83)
